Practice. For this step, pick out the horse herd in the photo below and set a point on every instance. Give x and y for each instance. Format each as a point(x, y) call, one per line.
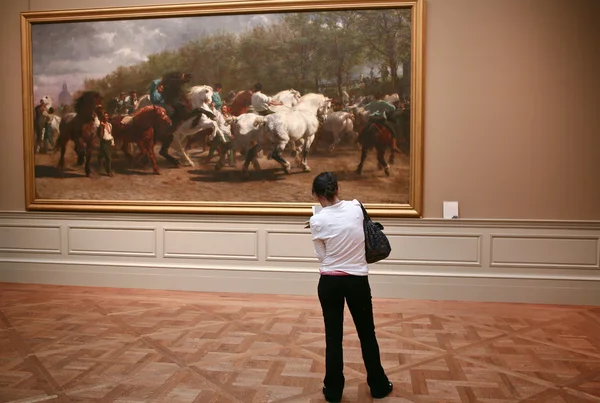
point(298, 120)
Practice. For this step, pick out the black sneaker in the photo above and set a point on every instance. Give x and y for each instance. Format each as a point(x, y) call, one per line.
point(332, 397)
point(381, 395)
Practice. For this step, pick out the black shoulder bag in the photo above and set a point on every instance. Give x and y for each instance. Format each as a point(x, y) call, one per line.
point(377, 246)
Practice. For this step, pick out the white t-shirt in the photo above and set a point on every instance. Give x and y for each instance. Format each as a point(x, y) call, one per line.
point(338, 238)
point(107, 132)
point(260, 101)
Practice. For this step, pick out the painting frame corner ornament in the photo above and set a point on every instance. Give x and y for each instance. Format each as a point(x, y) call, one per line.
point(240, 96)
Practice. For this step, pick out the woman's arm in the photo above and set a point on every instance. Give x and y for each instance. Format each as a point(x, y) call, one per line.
point(318, 241)
point(319, 245)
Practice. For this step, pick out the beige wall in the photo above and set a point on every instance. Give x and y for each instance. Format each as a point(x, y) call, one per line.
point(512, 129)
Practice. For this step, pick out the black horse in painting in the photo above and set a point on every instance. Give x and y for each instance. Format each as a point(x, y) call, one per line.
point(81, 127)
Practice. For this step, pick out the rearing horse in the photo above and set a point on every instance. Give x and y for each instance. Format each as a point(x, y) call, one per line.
point(80, 127)
point(176, 97)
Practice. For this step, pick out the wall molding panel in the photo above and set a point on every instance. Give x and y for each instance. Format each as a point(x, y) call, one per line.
point(482, 260)
point(289, 246)
point(435, 249)
point(200, 243)
point(111, 241)
point(549, 251)
point(28, 238)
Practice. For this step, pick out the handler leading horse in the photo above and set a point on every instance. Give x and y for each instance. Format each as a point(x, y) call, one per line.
point(80, 127)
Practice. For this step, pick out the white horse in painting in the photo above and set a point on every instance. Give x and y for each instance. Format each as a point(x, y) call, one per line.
point(300, 124)
point(289, 98)
point(200, 98)
point(54, 128)
point(339, 124)
point(247, 134)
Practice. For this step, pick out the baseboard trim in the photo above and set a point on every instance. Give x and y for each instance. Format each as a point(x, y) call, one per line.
point(539, 291)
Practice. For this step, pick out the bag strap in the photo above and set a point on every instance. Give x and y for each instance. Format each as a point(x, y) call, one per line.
point(365, 214)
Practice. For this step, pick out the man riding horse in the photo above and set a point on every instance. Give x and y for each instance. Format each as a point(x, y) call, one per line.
point(380, 113)
point(168, 93)
point(378, 133)
point(262, 103)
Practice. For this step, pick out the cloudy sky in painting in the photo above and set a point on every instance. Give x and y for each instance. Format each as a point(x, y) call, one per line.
point(71, 52)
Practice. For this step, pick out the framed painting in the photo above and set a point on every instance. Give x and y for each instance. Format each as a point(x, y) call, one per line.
point(224, 107)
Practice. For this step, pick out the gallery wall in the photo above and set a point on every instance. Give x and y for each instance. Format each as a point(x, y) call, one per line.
point(511, 121)
point(512, 132)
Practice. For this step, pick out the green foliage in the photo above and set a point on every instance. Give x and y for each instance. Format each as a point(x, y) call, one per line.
point(388, 37)
point(310, 52)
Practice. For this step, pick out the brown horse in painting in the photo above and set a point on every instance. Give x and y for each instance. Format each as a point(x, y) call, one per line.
point(241, 102)
point(140, 129)
point(80, 127)
point(378, 136)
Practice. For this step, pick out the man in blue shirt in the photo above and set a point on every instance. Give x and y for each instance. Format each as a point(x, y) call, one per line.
point(216, 98)
point(156, 90)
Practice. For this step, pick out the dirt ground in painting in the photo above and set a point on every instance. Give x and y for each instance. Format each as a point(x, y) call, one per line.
point(204, 183)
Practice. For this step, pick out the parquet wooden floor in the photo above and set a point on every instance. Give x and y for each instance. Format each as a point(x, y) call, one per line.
point(79, 344)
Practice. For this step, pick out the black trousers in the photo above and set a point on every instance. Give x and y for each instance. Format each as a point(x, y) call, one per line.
point(356, 291)
point(105, 154)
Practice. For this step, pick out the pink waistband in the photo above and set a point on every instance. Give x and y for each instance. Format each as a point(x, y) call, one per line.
point(335, 273)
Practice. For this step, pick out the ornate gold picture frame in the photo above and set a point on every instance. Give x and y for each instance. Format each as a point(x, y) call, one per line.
point(347, 52)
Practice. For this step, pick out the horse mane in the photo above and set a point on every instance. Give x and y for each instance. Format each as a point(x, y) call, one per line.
point(171, 75)
point(176, 76)
point(198, 94)
point(175, 79)
point(85, 102)
point(310, 101)
point(141, 110)
point(173, 83)
point(310, 96)
point(144, 109)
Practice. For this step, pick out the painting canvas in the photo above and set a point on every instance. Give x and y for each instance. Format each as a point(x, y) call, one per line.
point(226, 108)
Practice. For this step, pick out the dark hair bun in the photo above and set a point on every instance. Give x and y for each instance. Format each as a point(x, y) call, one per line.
point(325, 184)
point(330, 190)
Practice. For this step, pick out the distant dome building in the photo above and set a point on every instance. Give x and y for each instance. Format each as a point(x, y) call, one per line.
point(65, 97)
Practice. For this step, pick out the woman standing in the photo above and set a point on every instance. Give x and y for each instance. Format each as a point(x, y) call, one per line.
point(339, 241)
